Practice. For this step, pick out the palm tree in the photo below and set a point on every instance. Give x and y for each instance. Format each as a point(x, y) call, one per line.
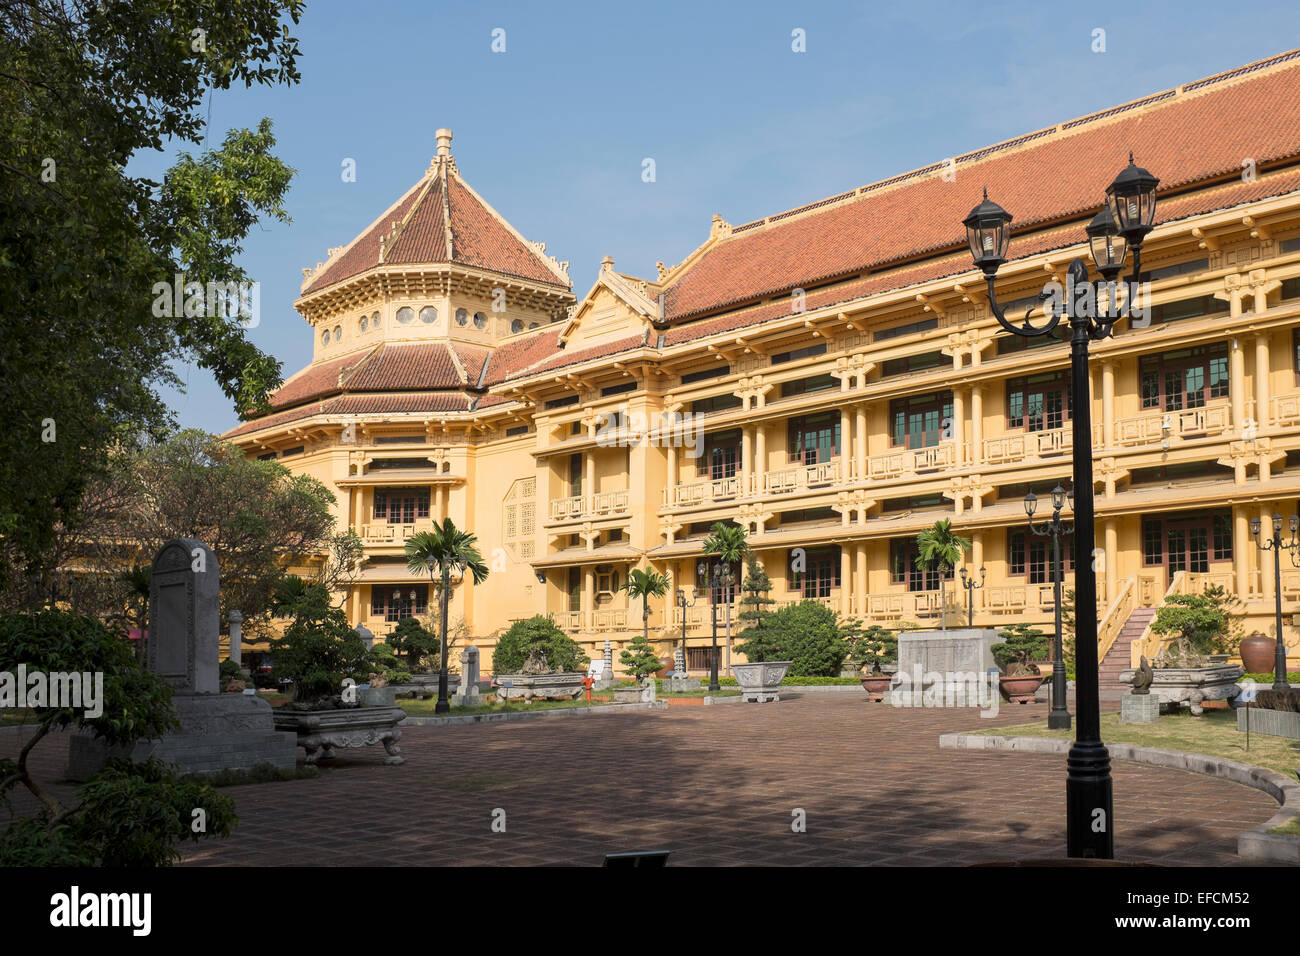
point(727, 541)
point(939, 548)
point(645, 585)
point(445, 552)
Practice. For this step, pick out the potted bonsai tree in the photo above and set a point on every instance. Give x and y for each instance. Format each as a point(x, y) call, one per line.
point(1022, 646)
point(322, 656)
point(1199, 625)
point(639, 660)
point(872, 648)
point(535, 660)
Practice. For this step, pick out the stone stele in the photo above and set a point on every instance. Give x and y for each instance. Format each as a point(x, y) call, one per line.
point(218, 731)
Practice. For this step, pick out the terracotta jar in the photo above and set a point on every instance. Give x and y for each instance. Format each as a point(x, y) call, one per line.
point(1257, 653)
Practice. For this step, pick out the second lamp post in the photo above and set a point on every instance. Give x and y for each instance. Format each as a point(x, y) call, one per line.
point(1055, 528)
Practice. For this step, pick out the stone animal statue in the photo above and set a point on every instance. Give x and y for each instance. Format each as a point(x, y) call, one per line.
point(1142, 678)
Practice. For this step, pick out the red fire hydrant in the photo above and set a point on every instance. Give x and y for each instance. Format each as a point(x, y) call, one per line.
point(587, 682)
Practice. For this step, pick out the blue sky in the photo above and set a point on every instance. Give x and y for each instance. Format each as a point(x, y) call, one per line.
point(553, 131)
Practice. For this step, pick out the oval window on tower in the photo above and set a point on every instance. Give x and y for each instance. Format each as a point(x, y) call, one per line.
point(516, 325)
point(374, 321)
point(532, 325)
point(428, 315)
point(365, 321)
point(480, 320)
point(325, 337)
point(462, 317)
point(405, 315)
point(338, 333)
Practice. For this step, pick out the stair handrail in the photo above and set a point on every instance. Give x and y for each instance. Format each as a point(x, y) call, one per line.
point(1116, 616)
point(1150, 645)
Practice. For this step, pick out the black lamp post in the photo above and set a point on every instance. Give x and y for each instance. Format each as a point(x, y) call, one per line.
point(1059, 718)
point(718, 574)
point(681, 602)
point(971, 587)
point(1277, 546)
point(1128, 217)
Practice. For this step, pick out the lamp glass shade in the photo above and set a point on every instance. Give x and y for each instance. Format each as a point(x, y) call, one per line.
point(1109, 249)
point(1132, 199)
point(1058, 498)
point(988, 233)
point(1277, 523)
point(1031, 504)
point(1254, 527)
point(1295, 523)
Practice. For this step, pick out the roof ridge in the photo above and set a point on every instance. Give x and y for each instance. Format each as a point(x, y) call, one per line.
point(538, 249)
point(364, 361)
point(1014, 142)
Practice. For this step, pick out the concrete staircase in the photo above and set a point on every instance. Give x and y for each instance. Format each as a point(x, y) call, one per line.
point(1117, 658)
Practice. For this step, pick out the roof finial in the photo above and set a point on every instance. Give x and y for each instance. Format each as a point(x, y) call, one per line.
point(444, 142)
point(1130, 157)
point(986, 193)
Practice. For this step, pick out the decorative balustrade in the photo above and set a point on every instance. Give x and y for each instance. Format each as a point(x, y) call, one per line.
point(602, 504)
point(1021, 445)
point(1161, 426)
point(382, 533)
point(1286, 409)
point(911, 461)
point(801, 477)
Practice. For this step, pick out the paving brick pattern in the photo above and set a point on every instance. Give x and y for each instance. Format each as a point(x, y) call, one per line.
point(717, 786)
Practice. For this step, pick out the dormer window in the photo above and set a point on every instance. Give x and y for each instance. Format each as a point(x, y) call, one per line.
point(428, 315)
point(462, 317)
point(405, 315)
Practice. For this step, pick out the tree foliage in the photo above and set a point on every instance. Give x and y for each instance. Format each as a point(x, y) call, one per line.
point(808, 634)
point(1200, 624)
point(126, 815)
point(1022, 645)
point(639, 658)
point(318, 650)
point(85, 88)
point(562, 652)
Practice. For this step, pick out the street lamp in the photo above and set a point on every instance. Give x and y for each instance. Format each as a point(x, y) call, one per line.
point(717, 575)
point(971, 587)
point(1131, 202)
point(1277, 546)
point(1059, 718)
point(680, 663)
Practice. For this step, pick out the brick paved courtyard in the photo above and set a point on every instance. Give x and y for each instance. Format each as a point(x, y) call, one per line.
point(716, 785)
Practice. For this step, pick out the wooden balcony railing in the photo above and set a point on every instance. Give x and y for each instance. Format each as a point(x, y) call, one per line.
point(1161, 426)
point(602, 504)
point(911, 461)
point(801, 477)
point(383, 533)
point(1022, 445)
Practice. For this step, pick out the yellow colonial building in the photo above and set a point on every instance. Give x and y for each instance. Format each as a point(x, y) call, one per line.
point(829, 377)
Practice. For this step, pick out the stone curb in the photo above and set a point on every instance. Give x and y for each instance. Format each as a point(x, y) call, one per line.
point(533, 715)
point(1255, 844)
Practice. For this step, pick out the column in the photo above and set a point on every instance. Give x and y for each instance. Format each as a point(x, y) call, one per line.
point(589, 481)
point(846, 443)
point(860, 441)
point(746, 453)
point(1265, 557)
point(760, 452)
point(1262, 411)
point(846, 578)
point(860, 577)
point(1242, 545)
point(958, 433)
point(1237, 384)
point(589, 598)
point(976, 423)
point(1112, 558)
point(1107, 404)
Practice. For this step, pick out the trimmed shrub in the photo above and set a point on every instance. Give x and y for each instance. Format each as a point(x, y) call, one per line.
point(562, 652)
point(808, 634)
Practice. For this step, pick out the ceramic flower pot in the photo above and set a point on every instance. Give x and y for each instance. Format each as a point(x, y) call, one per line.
point(875, 685)
point(1022, 688)
point(1257, 653)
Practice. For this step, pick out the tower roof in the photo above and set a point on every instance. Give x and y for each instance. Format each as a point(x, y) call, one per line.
point(440, 219)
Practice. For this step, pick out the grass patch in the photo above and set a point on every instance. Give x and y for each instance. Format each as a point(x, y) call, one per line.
point(1292, 678)
point(1290, 828)
point(1214, 733)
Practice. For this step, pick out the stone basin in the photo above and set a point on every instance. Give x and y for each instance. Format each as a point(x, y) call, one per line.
point(760, 681)
point(526, 687)
point(320, 731)
point(1192, 685)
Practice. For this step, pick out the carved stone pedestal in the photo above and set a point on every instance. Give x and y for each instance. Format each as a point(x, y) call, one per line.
point(320, 731)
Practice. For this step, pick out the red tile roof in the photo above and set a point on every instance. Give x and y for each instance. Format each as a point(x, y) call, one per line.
point(1198, 135)
point(316, 381)
point(398, 367)
point(437, 208)
point(518, 354)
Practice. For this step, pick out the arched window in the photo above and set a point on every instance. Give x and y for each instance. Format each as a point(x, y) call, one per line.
point(405, 315)
point(428, 315)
